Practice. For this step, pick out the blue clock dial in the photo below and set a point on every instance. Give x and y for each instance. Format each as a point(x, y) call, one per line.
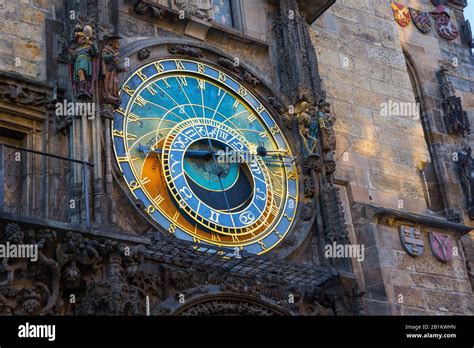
point(186, 137)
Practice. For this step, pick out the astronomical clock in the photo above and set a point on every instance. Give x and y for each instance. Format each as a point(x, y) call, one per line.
point(205, 156)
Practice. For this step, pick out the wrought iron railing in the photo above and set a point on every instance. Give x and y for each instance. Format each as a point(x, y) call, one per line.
point(202, 257)
point(44, 185)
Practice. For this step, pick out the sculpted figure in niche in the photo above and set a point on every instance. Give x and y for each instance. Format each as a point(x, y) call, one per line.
point(110, 68)
point(466, 173)
point(308, 128)
point(326, 121)
point(82, 53)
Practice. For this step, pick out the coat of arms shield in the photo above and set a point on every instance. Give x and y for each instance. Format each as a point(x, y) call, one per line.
point(443, 24)
point(401, 14)
point(412, 240)
point(441, 246)
point(421, 20)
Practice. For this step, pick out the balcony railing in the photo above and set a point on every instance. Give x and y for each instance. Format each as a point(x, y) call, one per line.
point(42, 185)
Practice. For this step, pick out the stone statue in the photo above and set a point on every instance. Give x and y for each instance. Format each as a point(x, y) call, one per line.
point(308, 128)
point(82, 53)
point(455, 118)
point(447, 87)
point(201, 9)
point(466, 173)
point(110, 68)
point(326, 121)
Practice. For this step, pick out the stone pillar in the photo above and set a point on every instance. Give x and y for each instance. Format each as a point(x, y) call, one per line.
point(301, 84)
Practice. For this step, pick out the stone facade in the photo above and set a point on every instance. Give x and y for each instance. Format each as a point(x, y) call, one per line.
point(95, 239)
point(22, 44)
point(401, 162)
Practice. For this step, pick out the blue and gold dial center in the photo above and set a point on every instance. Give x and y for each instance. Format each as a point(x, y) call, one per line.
point(228, 219)
point(175, 119)
point(208, 176)
point(200, 167)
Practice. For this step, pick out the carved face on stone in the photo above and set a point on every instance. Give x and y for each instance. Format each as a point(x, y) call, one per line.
point(115, 44)
point(72, 274)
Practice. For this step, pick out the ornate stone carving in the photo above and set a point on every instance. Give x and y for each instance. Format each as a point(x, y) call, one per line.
point(16, 93)
point(352, 297)
point(308, 128)
point(107, 278)
point(228, 64)
point(326, 120)
point(466, 175)
point(455, 118)
point(185, 50)
point(297, 60)
point(200, 9)
point(143, 54)
point(111, 298)
point(335, 230)
point(222, 307)
point(236, 68)
point(142, 8)
point(447, 88)
point(42, 294)
point(110, 68)
point(250, 79)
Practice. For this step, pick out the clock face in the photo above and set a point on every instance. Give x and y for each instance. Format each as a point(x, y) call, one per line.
point(205, 157)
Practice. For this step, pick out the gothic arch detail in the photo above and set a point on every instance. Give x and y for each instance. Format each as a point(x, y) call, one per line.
point(431, 176)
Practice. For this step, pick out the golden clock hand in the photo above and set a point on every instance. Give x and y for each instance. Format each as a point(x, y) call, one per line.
point(275, 156)
point(191, 153)
point(218, 174)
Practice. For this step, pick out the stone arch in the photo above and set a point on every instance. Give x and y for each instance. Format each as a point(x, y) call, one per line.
point(229, 304)
point(435, 193)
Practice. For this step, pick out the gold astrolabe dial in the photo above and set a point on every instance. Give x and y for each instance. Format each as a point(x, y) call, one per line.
point(205, 157)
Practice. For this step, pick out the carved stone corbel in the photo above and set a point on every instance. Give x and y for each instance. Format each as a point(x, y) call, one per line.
point(185, 50)
point(236, 68)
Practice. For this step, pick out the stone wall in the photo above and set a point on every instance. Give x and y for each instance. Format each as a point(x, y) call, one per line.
point(362, 66)
point(22, 36)
point(429, 52)
point(398, 284)
point(362, 53)
point(134, 27)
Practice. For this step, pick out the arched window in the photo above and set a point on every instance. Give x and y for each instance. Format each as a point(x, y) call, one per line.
point(430, 173)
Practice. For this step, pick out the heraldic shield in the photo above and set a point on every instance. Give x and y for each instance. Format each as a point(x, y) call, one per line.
point(421, 20)
point(441, 246)
point(412, 240)
point(401, 14)
point(443, 24)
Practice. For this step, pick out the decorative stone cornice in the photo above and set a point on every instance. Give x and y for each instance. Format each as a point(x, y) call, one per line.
point(108, 277)
point(371, 213)
point(15, 88)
